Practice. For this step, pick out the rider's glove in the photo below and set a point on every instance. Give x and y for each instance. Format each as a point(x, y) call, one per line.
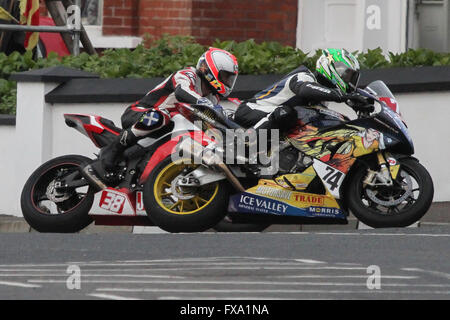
point(205, 102)
point(358, 102)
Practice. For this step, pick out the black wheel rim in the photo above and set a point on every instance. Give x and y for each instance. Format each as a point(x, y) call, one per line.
point(68, 199)
point(389, 203)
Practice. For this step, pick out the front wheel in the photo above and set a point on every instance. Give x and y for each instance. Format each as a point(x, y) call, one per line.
point(48, 208)
point(176, 208)
point(399, 205)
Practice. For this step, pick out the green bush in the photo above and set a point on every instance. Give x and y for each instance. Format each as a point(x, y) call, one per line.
point(170, 53)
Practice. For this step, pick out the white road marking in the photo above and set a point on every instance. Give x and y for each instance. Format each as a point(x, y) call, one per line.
point(247, 283)
point(299, 263)
point(344, 276)
point(262, 267)
point(362, 234)
point(383, 234)
point(269, 291)
point(434, 273)
point(187, 261)
point(206, 267)
point(219, 298)
point(19, 284)
point(111, 296)
point(177, 260)
point(309, 261)
point(92, 275)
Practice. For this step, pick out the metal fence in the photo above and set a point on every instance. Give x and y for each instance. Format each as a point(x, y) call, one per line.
point(74, 29)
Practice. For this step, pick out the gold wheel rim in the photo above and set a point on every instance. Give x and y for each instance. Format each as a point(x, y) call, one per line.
point(203, 195)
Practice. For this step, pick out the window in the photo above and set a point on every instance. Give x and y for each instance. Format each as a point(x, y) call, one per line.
point(91, 12)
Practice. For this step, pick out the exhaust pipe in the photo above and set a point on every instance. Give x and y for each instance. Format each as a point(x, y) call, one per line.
point(194, 149)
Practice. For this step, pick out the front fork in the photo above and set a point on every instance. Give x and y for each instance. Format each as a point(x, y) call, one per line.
point(387, 173)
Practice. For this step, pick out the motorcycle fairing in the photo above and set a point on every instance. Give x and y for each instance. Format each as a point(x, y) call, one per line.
point(337, 147)
point(169, 148)
point(299, 181)
point(100, 130)
point(122, 202)
point(331, 177)
point(112, 207)
point(267, 197)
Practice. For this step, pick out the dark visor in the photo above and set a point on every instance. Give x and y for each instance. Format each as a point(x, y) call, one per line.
point(227, 78)
point(347, 74)
point(351, 77)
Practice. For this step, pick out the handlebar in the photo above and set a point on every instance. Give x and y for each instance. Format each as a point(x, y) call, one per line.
point(367, 94)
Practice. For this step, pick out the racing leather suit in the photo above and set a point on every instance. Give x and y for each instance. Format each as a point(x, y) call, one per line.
point(152, 112)
point(271, 108)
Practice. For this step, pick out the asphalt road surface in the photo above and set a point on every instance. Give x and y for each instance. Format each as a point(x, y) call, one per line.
point(366, 264)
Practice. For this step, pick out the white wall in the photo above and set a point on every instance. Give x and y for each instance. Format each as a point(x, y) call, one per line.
point(426, 114)
point(8, 194)
point(352, 24)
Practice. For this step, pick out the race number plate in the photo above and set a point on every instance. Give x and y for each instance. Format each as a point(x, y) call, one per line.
point(331, 177)
point(112, 202)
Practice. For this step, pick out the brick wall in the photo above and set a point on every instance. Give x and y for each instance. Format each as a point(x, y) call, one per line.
point(240, 20)
point(121, 17)
point(165, 16)
point(206, 20)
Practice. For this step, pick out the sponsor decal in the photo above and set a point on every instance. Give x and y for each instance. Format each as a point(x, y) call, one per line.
point(309, 199)
point(273, 192)
point(318, 88)
point(254, 204)
point(391, 161)
point(139, 201)
point(112, 202)
point(324, 212)
point(391, 103)
point(261, 205)
point(216, 84)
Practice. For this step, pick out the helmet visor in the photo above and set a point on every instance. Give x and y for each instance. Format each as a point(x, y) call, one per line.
point(348, 75)
point(351, 77)
point(227, 78)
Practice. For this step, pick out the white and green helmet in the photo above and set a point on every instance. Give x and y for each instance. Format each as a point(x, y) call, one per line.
point(340, 67)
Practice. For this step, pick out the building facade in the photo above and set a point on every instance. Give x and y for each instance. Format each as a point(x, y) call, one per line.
point(393, 25)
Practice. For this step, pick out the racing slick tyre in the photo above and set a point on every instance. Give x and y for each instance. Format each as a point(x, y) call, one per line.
point(399, 205)
point(47, 210)
point(183, 209)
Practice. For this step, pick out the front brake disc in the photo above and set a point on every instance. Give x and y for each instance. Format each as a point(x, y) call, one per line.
point(374, 195)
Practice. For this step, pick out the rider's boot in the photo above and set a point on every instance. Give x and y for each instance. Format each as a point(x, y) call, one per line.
point(98, 172)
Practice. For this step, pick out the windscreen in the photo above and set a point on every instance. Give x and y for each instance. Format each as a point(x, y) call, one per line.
point(383, 93)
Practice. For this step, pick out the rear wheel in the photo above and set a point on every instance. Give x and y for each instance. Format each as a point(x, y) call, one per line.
point(399, 205)
point(46, 207)
point(183, 209)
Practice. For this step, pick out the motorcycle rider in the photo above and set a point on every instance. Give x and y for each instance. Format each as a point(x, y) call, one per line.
point(212, 78)
point(335, 79)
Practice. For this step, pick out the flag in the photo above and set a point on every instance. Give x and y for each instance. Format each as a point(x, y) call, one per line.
point(29, 15)
point(5, 15)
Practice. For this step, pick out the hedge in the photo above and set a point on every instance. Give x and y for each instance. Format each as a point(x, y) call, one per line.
point(171, 53)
